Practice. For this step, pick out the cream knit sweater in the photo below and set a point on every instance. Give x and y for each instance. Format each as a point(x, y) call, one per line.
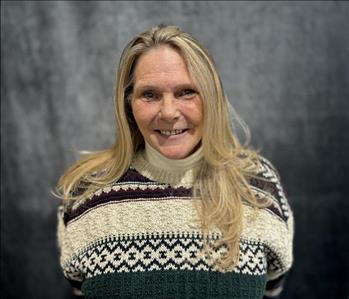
point(140, 237)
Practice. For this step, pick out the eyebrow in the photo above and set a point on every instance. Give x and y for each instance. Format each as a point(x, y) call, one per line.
point(156, 87)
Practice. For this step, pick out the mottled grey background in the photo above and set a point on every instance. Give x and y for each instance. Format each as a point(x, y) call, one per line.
point(284, 66)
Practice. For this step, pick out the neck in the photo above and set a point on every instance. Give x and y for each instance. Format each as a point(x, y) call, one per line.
point(162, 162)
point(177, 173)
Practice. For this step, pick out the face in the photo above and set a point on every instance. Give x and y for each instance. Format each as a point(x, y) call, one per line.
point(166, 104)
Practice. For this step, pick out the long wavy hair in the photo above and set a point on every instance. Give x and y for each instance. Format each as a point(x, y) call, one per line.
point(222, 182)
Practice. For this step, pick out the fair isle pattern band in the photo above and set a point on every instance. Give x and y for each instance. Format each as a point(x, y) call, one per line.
point(157, 253)
point(163, 216)
point(134, 185)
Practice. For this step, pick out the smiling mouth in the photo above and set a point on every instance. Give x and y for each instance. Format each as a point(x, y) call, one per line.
point(171, 132)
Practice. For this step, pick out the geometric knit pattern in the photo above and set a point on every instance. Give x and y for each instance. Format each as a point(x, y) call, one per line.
point(160, 253)
point(140, 237)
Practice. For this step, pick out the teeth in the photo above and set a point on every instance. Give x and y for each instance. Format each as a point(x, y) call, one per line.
point(169, 133)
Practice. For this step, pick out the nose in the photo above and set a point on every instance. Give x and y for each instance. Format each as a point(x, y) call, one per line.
point(168, 110)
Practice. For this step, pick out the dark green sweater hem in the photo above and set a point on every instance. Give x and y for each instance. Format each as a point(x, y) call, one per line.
point(173, 284)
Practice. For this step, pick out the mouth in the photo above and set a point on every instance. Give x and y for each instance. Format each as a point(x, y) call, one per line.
point(171, 132)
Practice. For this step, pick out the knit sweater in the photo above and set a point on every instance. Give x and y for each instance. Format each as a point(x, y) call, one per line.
point(140, 237)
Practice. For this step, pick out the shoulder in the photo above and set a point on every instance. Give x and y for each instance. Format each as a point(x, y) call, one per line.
point(267, 183)
point(266, 170)
point(127, 188)
point(274, 224)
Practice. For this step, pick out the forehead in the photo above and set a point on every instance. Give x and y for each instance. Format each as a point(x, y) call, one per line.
point(161, 65)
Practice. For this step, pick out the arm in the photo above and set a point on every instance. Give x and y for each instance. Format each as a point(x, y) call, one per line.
point(274, 287)
point(280, 250)
point(70, 271)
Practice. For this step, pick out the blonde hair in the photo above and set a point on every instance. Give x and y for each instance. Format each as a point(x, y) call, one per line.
point(222, 182)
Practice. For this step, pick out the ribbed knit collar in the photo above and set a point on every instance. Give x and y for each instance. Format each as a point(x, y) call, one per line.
point(160, 161)
point(177, 173)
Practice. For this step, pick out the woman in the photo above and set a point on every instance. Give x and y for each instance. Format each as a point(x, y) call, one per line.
point(177, 207)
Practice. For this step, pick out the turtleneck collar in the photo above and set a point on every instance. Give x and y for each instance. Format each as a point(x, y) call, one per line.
point(177, 173)
point(164, 163)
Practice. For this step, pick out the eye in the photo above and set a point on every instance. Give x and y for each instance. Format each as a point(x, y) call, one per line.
point(149, 95)
point(187, 93)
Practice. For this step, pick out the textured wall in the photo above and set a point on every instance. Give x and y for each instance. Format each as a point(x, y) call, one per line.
point(284, 66)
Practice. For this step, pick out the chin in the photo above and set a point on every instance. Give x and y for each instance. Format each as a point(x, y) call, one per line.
point(174, 154)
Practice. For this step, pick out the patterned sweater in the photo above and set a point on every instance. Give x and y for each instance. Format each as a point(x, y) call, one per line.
point(140, 238)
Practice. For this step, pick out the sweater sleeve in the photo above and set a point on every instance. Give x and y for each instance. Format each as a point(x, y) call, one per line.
point(65, 247)
point(279, 258)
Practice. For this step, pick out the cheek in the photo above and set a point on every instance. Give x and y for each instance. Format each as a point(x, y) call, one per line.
point(197, 116)
point(136, 113)
point(142, 114)
point(200, 118)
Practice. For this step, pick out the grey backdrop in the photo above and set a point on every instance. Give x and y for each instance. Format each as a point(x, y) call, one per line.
point(284, 66)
